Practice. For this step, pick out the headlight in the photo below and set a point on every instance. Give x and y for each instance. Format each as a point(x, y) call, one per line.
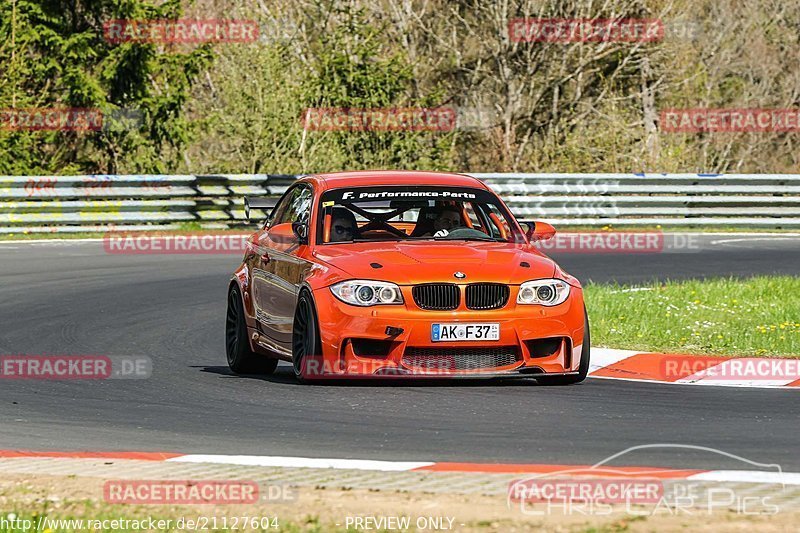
point(366, 292)
point(547, 292)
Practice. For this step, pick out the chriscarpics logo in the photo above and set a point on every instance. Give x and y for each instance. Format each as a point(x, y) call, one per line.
point(737, 485)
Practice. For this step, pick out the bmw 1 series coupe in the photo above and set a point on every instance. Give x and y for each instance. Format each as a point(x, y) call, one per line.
point(402, 274)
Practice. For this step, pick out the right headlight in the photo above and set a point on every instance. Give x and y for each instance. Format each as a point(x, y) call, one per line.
point(547, 292)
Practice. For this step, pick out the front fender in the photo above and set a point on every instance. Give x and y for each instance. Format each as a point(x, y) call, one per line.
point(241, 277)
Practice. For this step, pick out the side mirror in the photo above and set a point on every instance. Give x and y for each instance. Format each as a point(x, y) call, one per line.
point(289, 233)
point(282, 233)
point(300, 230)
point(538, 231)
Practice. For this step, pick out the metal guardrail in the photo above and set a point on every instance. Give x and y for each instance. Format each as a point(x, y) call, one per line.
point(142, 202)
point(746, 200)
point(129, 202)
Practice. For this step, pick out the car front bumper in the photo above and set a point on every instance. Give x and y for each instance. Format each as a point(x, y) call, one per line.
point(395, 340)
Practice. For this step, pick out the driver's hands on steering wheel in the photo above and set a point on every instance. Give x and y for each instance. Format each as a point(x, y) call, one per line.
point(441, 233)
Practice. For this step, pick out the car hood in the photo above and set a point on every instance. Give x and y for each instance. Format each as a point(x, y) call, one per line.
point(424, 262)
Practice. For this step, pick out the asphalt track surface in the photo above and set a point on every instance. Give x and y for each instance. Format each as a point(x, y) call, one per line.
point(73, 298)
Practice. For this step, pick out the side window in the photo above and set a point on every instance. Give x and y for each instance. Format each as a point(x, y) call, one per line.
point(296, 206)
point(280, 208)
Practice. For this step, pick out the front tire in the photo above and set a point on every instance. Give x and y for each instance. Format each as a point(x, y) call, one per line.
point(583, 368)
point(306, 344)
point(241, 359)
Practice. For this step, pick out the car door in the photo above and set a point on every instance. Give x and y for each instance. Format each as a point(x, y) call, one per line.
point(280, 268)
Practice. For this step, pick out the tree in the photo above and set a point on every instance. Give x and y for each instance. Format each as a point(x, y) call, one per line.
point(54, 55)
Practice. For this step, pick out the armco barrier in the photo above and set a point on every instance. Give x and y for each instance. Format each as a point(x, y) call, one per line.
point(129, 202)
point(142, 202)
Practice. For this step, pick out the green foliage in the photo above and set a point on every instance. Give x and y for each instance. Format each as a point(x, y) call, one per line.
point(250, 113)
point(58, 58)
point(557, 107)
point(351, 69)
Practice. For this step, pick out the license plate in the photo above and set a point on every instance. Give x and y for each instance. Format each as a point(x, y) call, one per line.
point(465, 332)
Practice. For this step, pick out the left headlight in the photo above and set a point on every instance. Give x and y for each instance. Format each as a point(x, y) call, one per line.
point(366, 292)
point(547, 292)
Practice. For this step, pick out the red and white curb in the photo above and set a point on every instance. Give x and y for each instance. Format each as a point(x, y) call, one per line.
point(754, 372)
point(736, 476)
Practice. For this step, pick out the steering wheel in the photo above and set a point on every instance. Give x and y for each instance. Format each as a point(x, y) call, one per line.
point(467, 233)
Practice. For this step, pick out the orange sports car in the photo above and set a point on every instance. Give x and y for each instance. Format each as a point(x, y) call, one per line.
point(415, 274)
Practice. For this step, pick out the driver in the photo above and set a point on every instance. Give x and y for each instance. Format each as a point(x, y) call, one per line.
point(448, 219)
point(343, 225)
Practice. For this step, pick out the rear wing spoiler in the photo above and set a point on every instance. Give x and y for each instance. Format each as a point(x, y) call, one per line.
point(257, 202)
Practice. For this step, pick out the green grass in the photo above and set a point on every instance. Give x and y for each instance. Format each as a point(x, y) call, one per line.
point(758, 316)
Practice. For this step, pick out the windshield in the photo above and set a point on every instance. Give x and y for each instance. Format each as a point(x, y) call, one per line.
point(376, 214)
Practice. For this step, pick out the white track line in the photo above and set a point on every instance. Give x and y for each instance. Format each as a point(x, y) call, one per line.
point(749, 239)
point(748, 476)
point(46, 241)
point(303, 462)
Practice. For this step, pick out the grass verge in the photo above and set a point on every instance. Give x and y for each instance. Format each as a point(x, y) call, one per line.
point(758, 316)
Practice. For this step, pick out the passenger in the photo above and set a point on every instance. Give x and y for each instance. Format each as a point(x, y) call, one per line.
point(343, 225)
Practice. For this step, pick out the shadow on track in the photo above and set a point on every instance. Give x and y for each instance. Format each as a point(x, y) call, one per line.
point(285, 376)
